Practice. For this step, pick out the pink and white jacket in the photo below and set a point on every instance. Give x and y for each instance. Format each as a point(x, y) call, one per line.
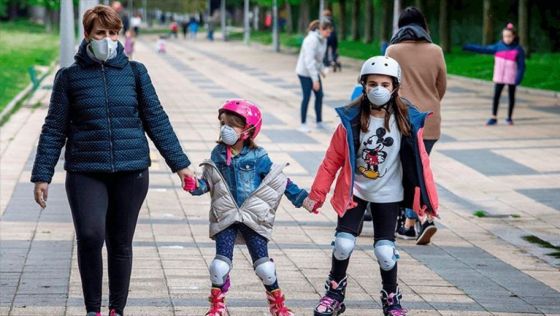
point(509, 61)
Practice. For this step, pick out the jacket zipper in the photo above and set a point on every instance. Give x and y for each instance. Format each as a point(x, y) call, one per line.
point(108, 118)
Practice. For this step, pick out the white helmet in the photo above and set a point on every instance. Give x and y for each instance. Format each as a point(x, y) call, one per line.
point(381, 65)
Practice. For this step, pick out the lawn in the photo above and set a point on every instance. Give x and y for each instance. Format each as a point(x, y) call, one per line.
point(22, 45)
point(458, 62)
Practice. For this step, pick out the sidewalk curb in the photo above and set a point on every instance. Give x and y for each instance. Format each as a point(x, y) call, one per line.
point(27, 92)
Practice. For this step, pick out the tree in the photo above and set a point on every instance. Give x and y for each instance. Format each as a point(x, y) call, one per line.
point(289, 22)
point(418, 4)
point(487, 17)
point(444, 39)
point(523, 25)
point(386, 13)
point(303, 16)
point(368, 32)
point(342, 23)
point(355, 20)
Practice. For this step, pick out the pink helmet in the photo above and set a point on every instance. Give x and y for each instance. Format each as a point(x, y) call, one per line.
point(246, 109)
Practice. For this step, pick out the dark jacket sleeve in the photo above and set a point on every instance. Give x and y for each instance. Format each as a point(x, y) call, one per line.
point(156, 123)
point(53, 134)
point(520, 66)
point(482, 49)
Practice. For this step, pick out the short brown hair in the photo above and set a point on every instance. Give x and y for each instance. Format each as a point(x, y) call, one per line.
point(106, 16)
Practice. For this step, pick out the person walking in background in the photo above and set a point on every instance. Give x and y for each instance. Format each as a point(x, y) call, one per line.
point(331, 55)
point(246, 188)
point(136, 23)
point(185, 27)
point(193, 28)
point(310, 68)
point(212, 20)
point(424, 83)
point(509, 68)
point(101, 108)
point(129, 44)
point(174, 28)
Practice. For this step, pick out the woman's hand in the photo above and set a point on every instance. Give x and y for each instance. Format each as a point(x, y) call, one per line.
point(41, 193)
point(184, 173)
point(190, 184)
point(316, 86)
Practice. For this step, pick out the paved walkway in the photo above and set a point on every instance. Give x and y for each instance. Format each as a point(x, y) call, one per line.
point(475, 266)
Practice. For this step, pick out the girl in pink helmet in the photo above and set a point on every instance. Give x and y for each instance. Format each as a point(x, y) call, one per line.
point(246, 188)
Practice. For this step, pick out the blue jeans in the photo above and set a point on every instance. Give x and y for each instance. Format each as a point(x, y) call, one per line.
point(307, 87)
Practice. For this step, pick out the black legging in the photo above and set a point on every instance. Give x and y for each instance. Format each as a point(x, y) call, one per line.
point(384, 222)
point(498, 93)
point(105, 208)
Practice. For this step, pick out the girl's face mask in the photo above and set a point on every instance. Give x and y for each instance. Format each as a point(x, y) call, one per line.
point(229, 135)
point(379, 96)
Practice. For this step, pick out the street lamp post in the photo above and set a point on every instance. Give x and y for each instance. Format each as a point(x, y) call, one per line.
point(275, 39)
point(396, 13)
point(321, 8)
point(223, 16)
point(67, 35)
point(84, 5)
point(247, 27)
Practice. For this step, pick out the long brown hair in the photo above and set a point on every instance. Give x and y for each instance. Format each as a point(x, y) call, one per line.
point(396, 106)
point(235, 120)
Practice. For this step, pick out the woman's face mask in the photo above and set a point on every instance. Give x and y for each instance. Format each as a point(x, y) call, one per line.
point(379, 96)
point(104, 49)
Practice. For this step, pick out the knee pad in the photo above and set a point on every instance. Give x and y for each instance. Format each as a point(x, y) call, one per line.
point(219, 270)
point(386, 253)
point(265, 270)
point(344, 244)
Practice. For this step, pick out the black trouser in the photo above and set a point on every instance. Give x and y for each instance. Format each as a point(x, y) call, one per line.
point(105, 208)
point(498, 93)
point(307, 87)
point(384, 221)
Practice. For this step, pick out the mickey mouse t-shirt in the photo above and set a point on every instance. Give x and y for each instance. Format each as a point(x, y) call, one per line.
point(378, 165)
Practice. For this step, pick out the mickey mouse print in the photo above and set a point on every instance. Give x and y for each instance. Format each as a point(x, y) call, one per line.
point(378, 166)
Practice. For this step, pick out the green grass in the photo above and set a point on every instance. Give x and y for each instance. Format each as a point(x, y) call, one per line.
point(544, 244)
point(23, 45)
point(542, 69)
point(480, 213)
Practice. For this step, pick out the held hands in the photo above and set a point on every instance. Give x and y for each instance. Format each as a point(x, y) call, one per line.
point(311, 206)
point(183, 173)
point(190, 184)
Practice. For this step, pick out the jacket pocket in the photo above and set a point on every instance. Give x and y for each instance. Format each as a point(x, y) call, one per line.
point(246, 175)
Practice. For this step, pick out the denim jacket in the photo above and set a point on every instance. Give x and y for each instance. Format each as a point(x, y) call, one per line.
point(245, 174)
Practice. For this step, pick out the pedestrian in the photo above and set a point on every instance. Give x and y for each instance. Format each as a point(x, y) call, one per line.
point(173, 28)
point(424, 84)
point(310, 68)
point(246, 188)
point(129, 44)
point(184, 28)
point(136, 22)
point(161, 44)
point(100, 109)
point(193, 28)
point(509, 68)
point(212, 20)
point(381, 163)
point(331, 55)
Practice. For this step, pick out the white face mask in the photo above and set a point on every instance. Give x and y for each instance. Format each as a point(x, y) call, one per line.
point(379, 96)
point(228, 135)
point(104, 49)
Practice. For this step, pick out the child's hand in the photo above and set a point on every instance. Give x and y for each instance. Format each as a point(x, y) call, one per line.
point(190, 184)
point(311, 206)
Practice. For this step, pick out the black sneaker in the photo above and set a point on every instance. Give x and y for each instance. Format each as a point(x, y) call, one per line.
point(427, 230)
point(406, 233)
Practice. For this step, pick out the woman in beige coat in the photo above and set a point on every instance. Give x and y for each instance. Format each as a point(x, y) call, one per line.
point(424, 83)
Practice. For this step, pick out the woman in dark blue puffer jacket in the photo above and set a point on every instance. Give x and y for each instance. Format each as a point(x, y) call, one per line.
point(101, 107)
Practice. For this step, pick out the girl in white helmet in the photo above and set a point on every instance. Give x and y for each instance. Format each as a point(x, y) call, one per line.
point(379, 151)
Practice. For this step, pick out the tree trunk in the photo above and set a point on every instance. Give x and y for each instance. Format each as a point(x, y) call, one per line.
point(303, 16)
point(342, 24)
point(487, 17)
point(384, 21)
point(355, 20)
point(444, 27)
point(418, 5)
point(368, 33)
point(523, 25)
point(289, 25)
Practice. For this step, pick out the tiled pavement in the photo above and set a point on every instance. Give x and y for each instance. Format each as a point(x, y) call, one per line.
point(475, 266)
